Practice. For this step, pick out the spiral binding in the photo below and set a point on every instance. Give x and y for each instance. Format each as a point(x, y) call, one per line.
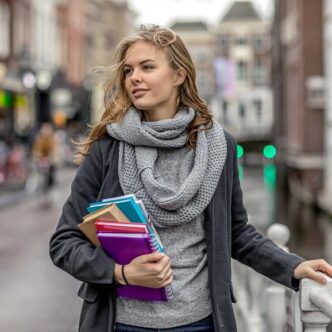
point(167, 290)
point(152, 243)
point(155, 235)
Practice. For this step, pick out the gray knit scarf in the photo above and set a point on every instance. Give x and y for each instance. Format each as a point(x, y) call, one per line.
point(138, 151)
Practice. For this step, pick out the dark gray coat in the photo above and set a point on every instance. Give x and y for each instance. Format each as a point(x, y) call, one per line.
point(227, 234)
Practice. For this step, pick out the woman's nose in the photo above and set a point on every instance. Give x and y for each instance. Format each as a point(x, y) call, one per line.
point(135, 76)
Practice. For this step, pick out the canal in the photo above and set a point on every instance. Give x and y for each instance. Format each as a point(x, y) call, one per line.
point(311, 229)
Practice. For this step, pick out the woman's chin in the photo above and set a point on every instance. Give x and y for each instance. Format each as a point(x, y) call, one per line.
point(142, 107)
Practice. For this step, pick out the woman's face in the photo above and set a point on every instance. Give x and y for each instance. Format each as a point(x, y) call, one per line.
point(151, 84)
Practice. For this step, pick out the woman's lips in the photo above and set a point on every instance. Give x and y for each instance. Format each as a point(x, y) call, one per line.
point(139, 92)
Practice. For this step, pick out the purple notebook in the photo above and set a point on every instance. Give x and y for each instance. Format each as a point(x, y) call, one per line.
point(123, 248)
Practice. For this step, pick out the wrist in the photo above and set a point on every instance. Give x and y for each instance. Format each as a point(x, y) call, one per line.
point(118, 275)
point(124, 275)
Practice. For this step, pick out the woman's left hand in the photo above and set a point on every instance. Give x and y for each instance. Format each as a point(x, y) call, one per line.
point(311, 269)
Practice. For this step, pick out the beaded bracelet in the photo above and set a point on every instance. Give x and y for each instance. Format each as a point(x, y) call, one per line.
point(123, 275)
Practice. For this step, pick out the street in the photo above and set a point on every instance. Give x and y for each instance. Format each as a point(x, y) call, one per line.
point(35, 295)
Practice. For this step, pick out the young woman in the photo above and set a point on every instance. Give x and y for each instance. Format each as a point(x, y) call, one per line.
point(157, 139)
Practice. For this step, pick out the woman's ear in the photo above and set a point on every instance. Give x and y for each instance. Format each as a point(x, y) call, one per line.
point(180, 77)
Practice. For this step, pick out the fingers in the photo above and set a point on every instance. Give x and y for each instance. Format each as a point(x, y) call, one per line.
point(163, 265)
point(152, 270)
point(317, 276)
point(320, 265)
point(163, 280)
point(153, 257)
point(324, 267)
point(314, 270)
point(165, 272)
point(162, 270)
point(168, 281)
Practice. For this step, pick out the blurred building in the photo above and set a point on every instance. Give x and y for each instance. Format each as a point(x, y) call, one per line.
point(15, 113)
point(243, 70)
point(325, 198)
point(200, 42)
point(69, 97)
point(33, 59)
point(47, 49)
point(107, 22)
point(299, 107)
point(6, 19)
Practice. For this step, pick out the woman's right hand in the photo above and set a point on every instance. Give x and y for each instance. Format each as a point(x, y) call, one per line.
point(152, 270)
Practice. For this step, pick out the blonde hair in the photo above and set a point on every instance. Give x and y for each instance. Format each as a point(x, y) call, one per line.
point(116, 99)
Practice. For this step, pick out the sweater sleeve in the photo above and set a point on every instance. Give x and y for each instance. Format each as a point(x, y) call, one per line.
point(69, 249)
point(252, 248)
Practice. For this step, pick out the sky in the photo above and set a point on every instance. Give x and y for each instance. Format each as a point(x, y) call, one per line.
point(165, 12)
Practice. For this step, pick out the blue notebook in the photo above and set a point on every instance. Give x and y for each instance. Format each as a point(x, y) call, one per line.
point(125, 203)
point(134, 211)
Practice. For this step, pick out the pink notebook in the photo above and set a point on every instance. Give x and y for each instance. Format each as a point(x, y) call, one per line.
point(120, 227)
point(123, 248)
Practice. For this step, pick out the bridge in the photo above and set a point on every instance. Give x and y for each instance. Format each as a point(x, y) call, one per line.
point(252, 130)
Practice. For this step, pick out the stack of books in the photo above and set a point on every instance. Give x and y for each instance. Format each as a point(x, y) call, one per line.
point(122, 227)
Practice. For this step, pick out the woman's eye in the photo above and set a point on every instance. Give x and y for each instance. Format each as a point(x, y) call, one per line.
point(147, 67)
point(127, 71)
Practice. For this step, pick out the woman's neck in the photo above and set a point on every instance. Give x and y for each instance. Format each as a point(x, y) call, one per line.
point(157, 115)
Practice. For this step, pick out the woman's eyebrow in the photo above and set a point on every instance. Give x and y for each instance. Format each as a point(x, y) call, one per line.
point(140, 63)
point(147, 60)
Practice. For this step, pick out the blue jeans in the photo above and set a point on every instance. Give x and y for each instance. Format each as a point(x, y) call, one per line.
point(203, 325)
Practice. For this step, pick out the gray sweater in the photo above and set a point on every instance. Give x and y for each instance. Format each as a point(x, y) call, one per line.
point(186, 246)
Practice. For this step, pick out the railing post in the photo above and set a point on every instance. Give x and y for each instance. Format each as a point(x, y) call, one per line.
point(275, 293)
point(255, 284)
point(316, 305)
point(279, 234)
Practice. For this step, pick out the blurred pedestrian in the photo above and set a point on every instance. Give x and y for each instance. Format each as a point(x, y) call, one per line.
point(44, 151)
point(157, 140)
point(61, 139)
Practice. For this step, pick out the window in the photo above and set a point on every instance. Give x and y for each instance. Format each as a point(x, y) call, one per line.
point(241, 40)
point(259, 71)
point(224, 41)
point(258, 41)
point(242, 71)
point(224, 106)
point(258, 107)
point(242, 110)
point(225, 111)
point(4, 30)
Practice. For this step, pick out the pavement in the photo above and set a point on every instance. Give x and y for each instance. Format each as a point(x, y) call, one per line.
point(35, 295)
point(8, 198)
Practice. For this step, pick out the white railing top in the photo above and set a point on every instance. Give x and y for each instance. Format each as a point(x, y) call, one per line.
point(316, 297)
point(279, 234)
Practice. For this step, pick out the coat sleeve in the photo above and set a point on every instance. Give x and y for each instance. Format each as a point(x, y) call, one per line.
point(252, 248)
point(69, 249)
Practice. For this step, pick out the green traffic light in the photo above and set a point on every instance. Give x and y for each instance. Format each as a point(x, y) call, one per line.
point(5, 99)
point(269, 151)
point(240, 151)
point(270, 175)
